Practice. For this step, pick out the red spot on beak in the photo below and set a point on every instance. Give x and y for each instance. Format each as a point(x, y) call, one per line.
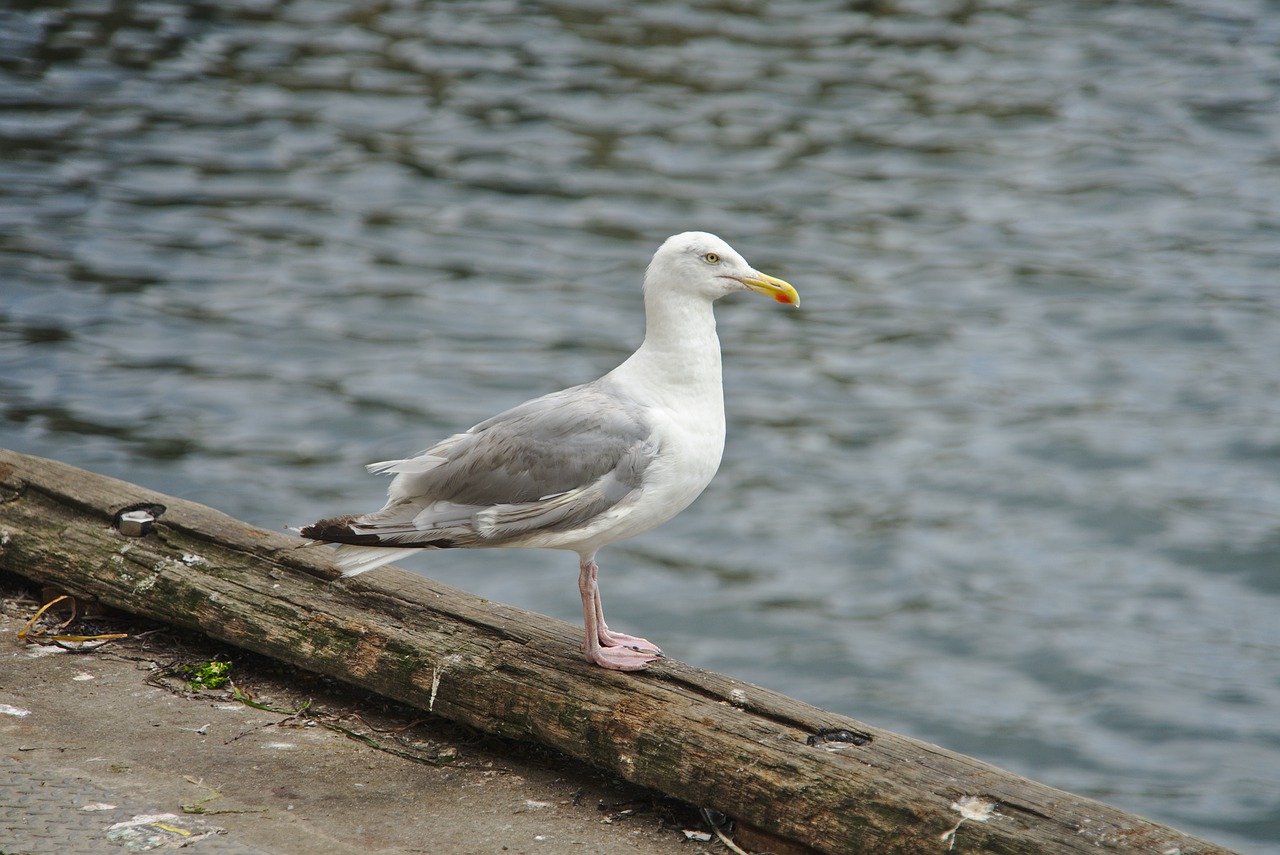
point(781, 297)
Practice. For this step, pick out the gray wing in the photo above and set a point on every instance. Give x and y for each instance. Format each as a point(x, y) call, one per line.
point(551, 464)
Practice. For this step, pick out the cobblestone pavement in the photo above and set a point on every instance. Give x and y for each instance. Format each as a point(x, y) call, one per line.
point(44, 813)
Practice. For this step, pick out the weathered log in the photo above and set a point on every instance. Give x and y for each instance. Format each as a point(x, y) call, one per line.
point(828, 782)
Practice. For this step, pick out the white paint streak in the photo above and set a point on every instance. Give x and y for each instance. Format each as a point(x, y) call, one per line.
point(17, 712)
point(435, 687)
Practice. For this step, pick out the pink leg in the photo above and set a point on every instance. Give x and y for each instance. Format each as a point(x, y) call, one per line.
point(603, 647)
point(608, 637)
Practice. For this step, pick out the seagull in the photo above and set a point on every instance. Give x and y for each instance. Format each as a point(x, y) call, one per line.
point(585, 467)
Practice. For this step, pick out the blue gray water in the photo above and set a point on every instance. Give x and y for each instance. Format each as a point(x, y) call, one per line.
point(1009, 481)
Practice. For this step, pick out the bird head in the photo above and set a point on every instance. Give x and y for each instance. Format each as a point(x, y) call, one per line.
point(705, 264)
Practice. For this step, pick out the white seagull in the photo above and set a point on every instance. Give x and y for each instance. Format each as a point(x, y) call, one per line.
point(585, 467)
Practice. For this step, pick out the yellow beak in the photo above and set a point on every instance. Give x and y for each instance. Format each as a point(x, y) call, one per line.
point(775, 288)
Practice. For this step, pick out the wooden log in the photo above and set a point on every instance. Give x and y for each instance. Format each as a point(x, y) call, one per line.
point(827, 782)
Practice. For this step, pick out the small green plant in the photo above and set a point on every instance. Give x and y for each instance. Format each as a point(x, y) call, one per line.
point(207, 675)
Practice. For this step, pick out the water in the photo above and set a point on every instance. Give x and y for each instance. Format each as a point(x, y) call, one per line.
point(1007, 482)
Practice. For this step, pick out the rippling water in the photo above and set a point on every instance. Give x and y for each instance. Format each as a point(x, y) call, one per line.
point(1008, 481)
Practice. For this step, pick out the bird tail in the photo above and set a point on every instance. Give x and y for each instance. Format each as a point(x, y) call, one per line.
point(357, 552)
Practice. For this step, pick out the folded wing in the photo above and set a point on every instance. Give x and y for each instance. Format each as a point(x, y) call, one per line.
point(550, 465)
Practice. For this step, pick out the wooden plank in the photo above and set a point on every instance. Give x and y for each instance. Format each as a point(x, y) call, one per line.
point(806, 775)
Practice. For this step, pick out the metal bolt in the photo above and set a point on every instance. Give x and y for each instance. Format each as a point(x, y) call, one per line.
point(136, 523)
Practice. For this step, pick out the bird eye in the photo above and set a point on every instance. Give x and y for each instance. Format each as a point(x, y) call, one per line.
point(711, 258)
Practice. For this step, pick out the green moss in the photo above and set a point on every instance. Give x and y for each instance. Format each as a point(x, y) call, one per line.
point(207, 675)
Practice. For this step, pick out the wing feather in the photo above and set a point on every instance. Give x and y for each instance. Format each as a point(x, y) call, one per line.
point(552, 464)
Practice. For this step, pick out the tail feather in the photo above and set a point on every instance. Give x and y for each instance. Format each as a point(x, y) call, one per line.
point(337, 530)
point(357, 553)
point(353, 560)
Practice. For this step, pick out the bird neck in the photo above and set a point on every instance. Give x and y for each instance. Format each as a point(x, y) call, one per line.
point(680, 349)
